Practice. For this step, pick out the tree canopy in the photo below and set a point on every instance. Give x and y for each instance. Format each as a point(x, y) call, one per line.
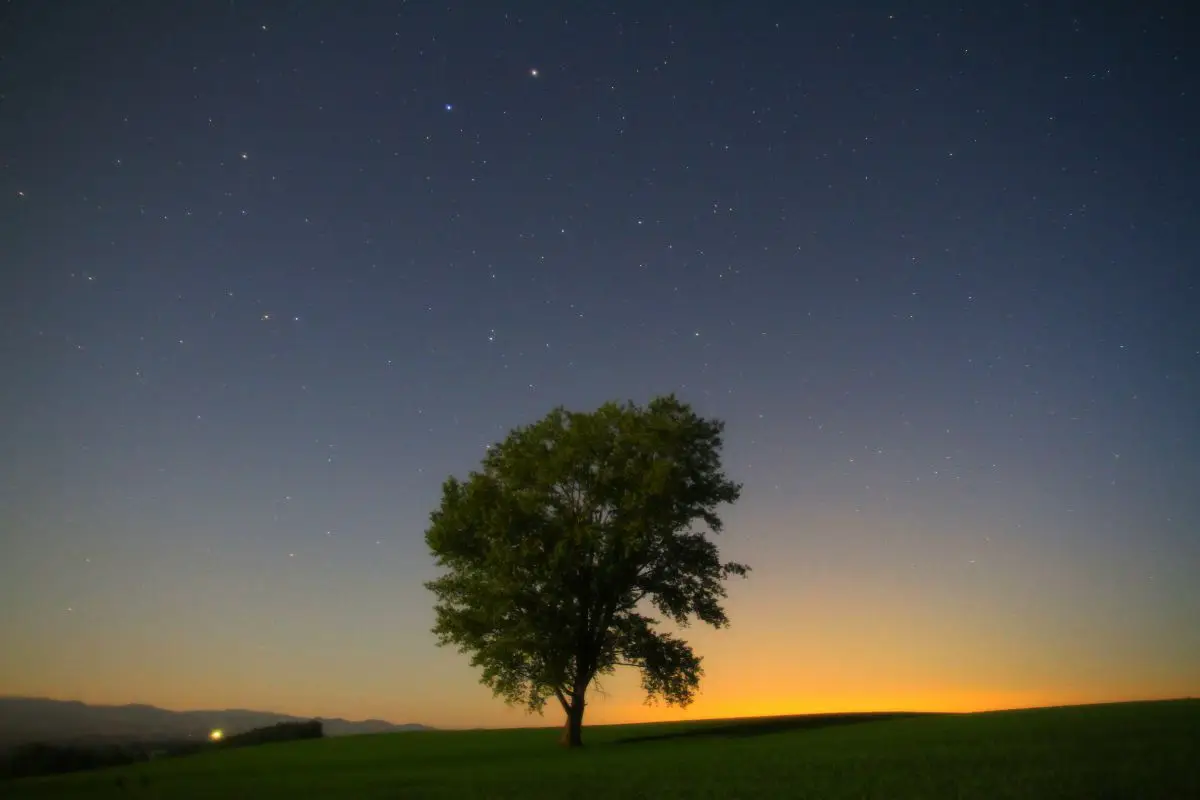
point(571, 533)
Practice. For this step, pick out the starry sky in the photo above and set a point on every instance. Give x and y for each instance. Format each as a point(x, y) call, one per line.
point(273, 270)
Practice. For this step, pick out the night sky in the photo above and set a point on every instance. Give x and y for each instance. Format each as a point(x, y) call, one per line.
point(272, 271)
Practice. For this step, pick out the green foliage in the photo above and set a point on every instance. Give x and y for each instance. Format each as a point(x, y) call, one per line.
point(572, 528)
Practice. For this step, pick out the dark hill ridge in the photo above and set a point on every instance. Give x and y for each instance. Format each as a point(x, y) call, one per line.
point(30, 719)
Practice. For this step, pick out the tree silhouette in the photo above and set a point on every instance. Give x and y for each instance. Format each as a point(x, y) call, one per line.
point(575, 526)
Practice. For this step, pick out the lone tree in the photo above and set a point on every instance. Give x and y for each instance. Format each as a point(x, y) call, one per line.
point(575, 525)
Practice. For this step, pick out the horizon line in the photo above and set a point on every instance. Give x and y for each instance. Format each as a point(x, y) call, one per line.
point(608, 724)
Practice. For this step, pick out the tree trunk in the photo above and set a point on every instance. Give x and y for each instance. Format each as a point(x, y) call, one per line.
point(572, 734)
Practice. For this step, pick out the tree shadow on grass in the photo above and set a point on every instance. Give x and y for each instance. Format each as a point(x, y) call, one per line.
point(761, 726)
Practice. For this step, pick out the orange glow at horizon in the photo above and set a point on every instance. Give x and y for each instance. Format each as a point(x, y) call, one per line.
point(271, 303)
point(854, 625)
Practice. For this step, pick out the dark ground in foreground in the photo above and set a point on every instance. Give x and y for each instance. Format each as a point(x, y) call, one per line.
point(1125, 750)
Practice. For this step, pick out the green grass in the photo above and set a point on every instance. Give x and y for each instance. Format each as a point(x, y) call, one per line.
point(1125, 750)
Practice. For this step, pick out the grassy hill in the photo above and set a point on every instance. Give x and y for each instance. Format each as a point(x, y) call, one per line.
point(38, 719)
point(1126, 750)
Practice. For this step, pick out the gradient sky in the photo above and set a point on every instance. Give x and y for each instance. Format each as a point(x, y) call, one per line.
point(272, 271)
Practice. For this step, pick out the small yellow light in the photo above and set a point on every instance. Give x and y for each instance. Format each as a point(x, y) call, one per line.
point(217, 735)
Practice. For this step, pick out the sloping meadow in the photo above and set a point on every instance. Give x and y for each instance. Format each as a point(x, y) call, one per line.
point(1116, 750)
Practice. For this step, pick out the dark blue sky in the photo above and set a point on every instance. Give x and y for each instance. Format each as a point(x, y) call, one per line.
point(272, 271)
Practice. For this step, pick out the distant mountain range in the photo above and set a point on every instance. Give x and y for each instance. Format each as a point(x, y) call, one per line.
point(36, 719)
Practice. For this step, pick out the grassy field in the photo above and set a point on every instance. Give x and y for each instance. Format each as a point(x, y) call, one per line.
point(1126, 750)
